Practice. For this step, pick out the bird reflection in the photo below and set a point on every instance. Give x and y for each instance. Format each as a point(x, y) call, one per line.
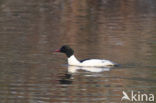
point(74, 69)
point(67, 77)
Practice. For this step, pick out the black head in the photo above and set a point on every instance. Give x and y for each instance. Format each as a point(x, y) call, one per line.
point(67, 50)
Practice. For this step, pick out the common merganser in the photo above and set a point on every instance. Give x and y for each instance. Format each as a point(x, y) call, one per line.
point(72, 60)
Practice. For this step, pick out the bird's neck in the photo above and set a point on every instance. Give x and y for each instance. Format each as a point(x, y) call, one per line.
point(73, 61)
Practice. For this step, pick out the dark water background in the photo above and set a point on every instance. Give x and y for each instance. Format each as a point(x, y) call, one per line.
point(123, 31)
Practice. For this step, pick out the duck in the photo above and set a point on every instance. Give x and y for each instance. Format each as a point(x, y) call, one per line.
point(73, 61)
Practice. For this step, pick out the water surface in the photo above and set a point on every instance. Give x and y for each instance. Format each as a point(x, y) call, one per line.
point(121, 31)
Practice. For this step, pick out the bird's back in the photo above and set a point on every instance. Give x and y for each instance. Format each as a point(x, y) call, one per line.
point(97, 62)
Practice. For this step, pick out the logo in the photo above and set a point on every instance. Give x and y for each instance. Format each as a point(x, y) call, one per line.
point(137, 97)
point(125, 96)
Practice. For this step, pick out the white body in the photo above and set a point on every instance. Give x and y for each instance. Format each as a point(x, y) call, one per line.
point(90, 63)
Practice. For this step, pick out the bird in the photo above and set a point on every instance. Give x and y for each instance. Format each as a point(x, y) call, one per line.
point(73, 61)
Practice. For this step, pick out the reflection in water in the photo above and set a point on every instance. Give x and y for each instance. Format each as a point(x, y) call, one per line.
point(119, 30)
point(74, 69)
point(66, 79)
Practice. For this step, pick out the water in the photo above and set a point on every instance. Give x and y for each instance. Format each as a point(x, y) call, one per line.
point(121, 31)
